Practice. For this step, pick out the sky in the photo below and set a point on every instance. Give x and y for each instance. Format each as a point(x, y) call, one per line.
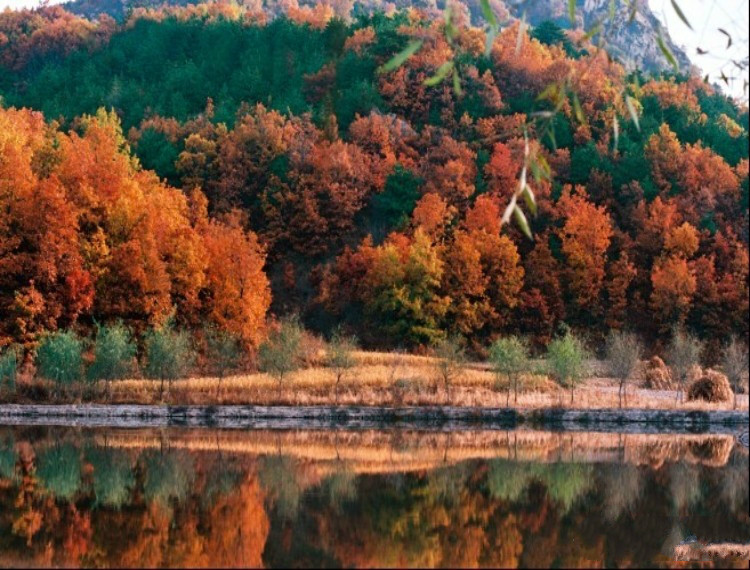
point(705, 17)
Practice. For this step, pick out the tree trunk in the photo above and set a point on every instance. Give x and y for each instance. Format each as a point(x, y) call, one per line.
point(619, 393)
point(338, 379)
point(515, 390)
point(161, 388)
point(571, 394)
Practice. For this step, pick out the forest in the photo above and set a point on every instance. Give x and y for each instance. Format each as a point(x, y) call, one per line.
point(216, 165)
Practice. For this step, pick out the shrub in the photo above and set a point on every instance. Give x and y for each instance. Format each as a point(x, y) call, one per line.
point(340, 357)
point(59, 357)
point(566, 358)
point(280, 354)
point(624, 351)
point(9, 368)
point(114, 352)
point(224, 352)
point(168, 354)
point(509, 357)
point(735, 364)
point(450, 360)
point(684, 352)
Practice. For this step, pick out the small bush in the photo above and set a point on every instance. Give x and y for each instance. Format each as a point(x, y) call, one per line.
point(624, 352)
point(340, 357)
point(9, 368)
point(114, 354)
point(684, 352)
point(450, 360)
point(169, 354)
point(224, 352)
point(566, 358)
point(59, 357)
point(280, 354)
point(735, 365)
point(509, 357)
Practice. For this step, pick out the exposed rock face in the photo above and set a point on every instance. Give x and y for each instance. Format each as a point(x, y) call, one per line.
point(633, 43)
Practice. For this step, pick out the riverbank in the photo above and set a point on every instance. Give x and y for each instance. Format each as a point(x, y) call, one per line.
point(377, 380)
point(361, 417)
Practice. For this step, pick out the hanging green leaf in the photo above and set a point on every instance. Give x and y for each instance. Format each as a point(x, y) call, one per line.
point(680, 14)
point(441, 73)
point(595, 29)
point(489, 40)
point(398, 60)
point(522, 222)
point(572, 11)
point(633, 113)
point(519, 37)
point(668, 54)
point(456, 83)
point(611, 10)
point(578, 110)
point(528, 197)
point(616, 131)
point(488, 14)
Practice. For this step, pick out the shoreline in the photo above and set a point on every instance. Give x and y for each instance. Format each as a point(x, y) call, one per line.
point(629, 420)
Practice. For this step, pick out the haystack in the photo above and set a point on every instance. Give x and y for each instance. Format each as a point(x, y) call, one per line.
point(712, 387)
point(658, 375)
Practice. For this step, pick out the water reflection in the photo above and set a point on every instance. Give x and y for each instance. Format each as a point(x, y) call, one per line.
point(71, 497)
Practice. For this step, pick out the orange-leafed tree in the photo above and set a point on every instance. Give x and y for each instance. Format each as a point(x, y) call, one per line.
point(237, 294)
point(585, 237)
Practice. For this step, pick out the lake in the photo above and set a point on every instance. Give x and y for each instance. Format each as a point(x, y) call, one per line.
point(105, 497)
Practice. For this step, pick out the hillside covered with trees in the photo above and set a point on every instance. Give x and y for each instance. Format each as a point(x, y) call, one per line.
point(217, 164)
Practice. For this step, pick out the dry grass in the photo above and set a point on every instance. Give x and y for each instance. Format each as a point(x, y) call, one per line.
point(394, 379)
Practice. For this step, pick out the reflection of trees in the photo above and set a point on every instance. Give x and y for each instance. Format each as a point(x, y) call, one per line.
point(169, 476)
point(622, 489)
point(507, 480)
point(8, 458)
point(113, 477)
point(188, 509)
point(733, 486)
point(685, 485)
point(220, 482)
point(239, 527)
point(565, 482)
point(277, 476)
point(340, 487)
point(446, 483)
point(59, 470)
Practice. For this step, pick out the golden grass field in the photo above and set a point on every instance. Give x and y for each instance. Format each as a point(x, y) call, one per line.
point(392, 379)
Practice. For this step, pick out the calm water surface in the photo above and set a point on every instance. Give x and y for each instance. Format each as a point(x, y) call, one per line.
point(202, 497)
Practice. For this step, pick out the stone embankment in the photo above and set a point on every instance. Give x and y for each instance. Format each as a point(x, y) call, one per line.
point(353, 417)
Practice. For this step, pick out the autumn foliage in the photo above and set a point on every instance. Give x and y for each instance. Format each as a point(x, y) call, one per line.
point(375, 198)
point(88, 235)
